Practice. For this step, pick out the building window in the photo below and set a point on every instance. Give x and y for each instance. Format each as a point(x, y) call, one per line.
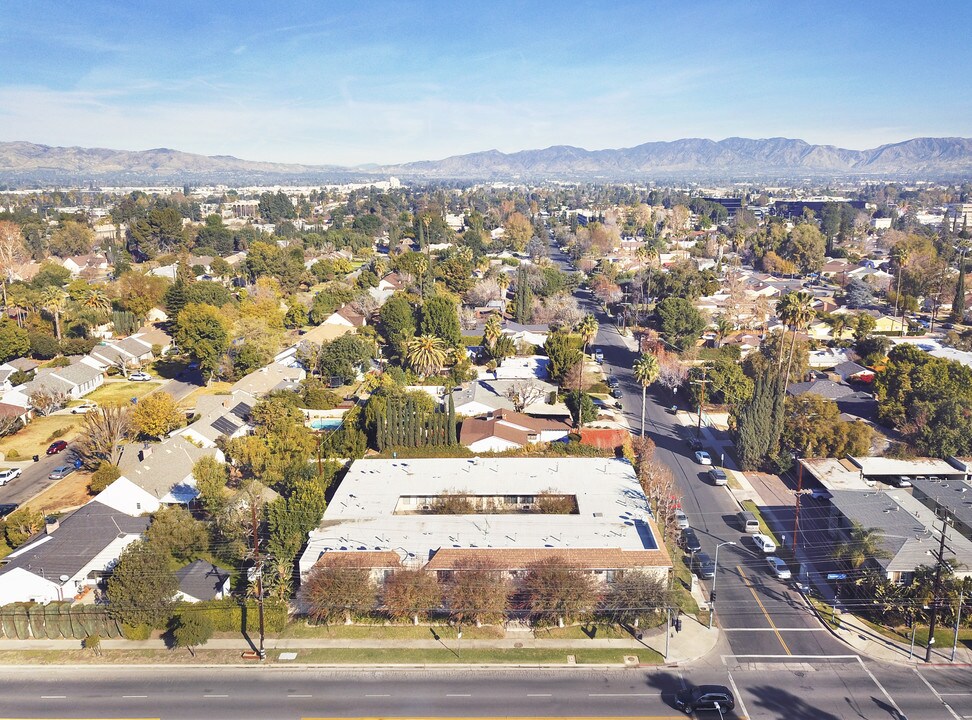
point(609, 575)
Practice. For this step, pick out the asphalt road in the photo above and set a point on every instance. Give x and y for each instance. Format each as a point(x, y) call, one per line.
point(840, 688)
point(760, 614)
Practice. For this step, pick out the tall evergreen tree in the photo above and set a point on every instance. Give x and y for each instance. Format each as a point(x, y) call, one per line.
point(522, 298)
point(958, 304)
point(452, 421)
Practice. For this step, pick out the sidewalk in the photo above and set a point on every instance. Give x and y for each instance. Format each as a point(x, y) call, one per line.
point(694, 641)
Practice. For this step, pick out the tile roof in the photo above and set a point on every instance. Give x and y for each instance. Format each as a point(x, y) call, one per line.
point(521, 558)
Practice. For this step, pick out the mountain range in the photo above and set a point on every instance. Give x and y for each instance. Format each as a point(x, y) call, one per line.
point(730, 159)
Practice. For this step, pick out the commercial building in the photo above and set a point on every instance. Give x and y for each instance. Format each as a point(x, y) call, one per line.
point(440, 514)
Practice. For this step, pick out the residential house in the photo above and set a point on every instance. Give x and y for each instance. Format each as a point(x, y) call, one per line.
point(387, 287)
point(74, 553)
point(506, 430)
point(200, 581)
point(346, 316)
point(274, 376)
point(219, 416)
point(908, 531)
point(128, 353)
point(519, 368)
point(88, 266)
point(381, 517)
point(75, 380)
point(484, 396)
point(164, 471)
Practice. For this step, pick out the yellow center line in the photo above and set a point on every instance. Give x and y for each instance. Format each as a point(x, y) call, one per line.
point(765, 614)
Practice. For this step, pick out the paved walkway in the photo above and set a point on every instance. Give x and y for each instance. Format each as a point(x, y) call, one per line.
point(693, 642)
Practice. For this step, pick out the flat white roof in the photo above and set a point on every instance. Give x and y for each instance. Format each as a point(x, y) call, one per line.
point(612, 509)
point(915, 466)
point(835, 474)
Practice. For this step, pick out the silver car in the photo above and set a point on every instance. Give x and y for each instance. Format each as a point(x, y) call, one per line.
point(681, 520)
point(778, 568)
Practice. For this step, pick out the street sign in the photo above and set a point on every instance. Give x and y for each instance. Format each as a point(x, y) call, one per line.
point(836, 576)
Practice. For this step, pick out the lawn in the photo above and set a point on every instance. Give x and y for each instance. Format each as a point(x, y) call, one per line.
point(70, 492)
point(214, 388)
point(121, 391)
point(682, 594)
point(41, 432)
point(455, 654)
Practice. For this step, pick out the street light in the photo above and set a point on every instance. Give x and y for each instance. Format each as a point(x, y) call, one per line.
point(715, 576)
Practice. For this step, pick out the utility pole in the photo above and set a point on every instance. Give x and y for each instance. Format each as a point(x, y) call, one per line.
point(936, 588)
point(258, 571)
point(796, 508)
point(958, 621)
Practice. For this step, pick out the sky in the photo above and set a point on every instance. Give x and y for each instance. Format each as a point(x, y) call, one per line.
point(388, 82)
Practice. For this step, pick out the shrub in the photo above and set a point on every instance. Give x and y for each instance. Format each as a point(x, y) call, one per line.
point(60, 432)
point(104, 476)
point(44, 346)
point(12, 454)
point(136, 632)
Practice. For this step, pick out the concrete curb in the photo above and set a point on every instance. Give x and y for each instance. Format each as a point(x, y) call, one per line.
point(286, 665)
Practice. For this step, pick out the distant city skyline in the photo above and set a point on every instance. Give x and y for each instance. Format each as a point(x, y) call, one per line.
point(385, 82)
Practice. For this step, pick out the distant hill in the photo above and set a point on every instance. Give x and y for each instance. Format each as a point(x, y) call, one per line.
point(933, 158)
point(24, 162)
point(732, 158)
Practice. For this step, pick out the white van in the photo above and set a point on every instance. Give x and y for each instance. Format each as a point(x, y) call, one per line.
point(748, 522)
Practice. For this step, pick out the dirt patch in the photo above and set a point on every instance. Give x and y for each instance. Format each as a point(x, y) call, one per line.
point(70, 492)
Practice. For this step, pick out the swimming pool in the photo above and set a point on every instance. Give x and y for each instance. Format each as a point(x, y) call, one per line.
point(325, 423)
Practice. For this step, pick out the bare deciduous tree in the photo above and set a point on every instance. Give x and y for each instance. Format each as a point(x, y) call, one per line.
point(46, 401)
point(523, 393)
point(411, 594)
point(338, 591)
point(102, 433)
point(479, 592)
point(483, 292)
point(556, 591)
point(12, 251)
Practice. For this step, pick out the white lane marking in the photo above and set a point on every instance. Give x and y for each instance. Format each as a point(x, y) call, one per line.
point(880, 686)
point(377, 695)
point(623, 694)
point(53, 697)
point(818, 657)
point(299, 696)
point(538, 695)
point(215, 696)
point(458, 695)
point(133, 697)
point(936, 694)
point(735, 692)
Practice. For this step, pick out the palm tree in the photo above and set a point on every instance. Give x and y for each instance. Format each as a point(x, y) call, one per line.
point(587, 329)
point(96, 299)
point(724, 326)
point(426, 354)
point(863, 545)
point(795, 309)
point(646, 370)
point(503, 281)
point(492, 331)
point(838, 324)
point(53, 300)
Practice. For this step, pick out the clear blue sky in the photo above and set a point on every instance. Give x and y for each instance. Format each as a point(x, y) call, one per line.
point(357, 82)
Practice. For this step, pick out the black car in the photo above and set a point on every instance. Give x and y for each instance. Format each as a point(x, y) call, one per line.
point(703, 566)
point(7, 508)
point(695, 444)
point(690, 541)
point(705, 697)
point(616, 393)
point(613, 382)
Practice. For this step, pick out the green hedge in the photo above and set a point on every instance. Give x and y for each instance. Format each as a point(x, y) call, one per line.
point(54, 621)
point(227, 614)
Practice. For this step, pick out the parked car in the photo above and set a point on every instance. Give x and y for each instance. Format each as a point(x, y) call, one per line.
point(8, 475)
point(695, 443)
point(613, 382)
point(681, 520)
point(764, 543)
point(598, 355)
point(902, 481)
point(703, 566)
point(702, 457)
point(778, 568)
point(820, 494)
point(718, 476)
point(61, 472)
point(57, 446)
point(7, 508)
point(139, 377)
point(690, 541)
point(705, 697)
point(616, 393)
point(84, 407)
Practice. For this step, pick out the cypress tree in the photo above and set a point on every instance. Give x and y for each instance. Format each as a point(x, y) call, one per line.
point(522, 298)
point(958, 304)
point(451, 421)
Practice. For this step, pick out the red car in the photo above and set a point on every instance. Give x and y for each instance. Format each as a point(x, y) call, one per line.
point(56, 447)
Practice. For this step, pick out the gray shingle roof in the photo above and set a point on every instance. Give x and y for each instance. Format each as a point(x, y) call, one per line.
point(201, 580)
point(78, 539)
